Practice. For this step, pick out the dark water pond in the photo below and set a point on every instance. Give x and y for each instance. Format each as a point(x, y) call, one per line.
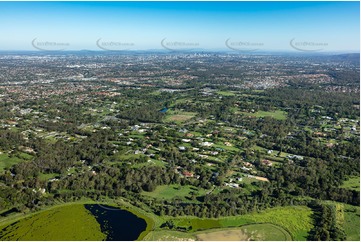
point(164, 110)
point(116, 223)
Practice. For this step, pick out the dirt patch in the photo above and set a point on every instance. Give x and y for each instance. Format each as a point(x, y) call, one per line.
point(261, 178)
point(225, 235)
point(180, 118)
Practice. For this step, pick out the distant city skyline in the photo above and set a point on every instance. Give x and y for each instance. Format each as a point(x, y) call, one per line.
point(234, 26)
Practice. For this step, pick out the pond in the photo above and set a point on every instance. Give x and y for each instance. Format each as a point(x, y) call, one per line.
point(164, 110)
point(117, 224)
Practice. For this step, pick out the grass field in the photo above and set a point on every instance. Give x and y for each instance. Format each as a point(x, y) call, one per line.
point(353, 183)
point(152, 162)
point(277, 114)
point(226, 93)
point(274, 156)
point(172, 191)
point(7, 162)
point(155, 93)
point(352, 222)
point(62, 223)
point(178, 116)
point(45, 177)
point(182, 100)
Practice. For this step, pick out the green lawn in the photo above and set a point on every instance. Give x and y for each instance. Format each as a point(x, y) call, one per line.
point(151, 163)
point(45, 177)
point(155, 93)
point(178, 116)
point(226, 93)
point(7, 162)
point(277, 114)
point(72, 222)
point(352, 222)
point(172, 191)
point(353, 183)
point(25, 156)
point(182, 100)
point(274, 156)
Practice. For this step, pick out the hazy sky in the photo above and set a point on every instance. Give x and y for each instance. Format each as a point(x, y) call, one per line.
point(207, 25)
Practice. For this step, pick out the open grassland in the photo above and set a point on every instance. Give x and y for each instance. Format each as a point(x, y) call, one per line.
point(178, 116)
point(353, 183)
point(7, 161)
point(277, 114)
point(340, 215)
point(150, 162)
point(352, 222)
point(226, 93)
point(172, 191)
point(72, 222)
point(45, 177)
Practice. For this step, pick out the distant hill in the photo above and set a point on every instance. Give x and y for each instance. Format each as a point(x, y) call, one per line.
point(353, 57)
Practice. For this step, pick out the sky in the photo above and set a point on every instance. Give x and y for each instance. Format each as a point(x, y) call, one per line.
point(244, 26)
